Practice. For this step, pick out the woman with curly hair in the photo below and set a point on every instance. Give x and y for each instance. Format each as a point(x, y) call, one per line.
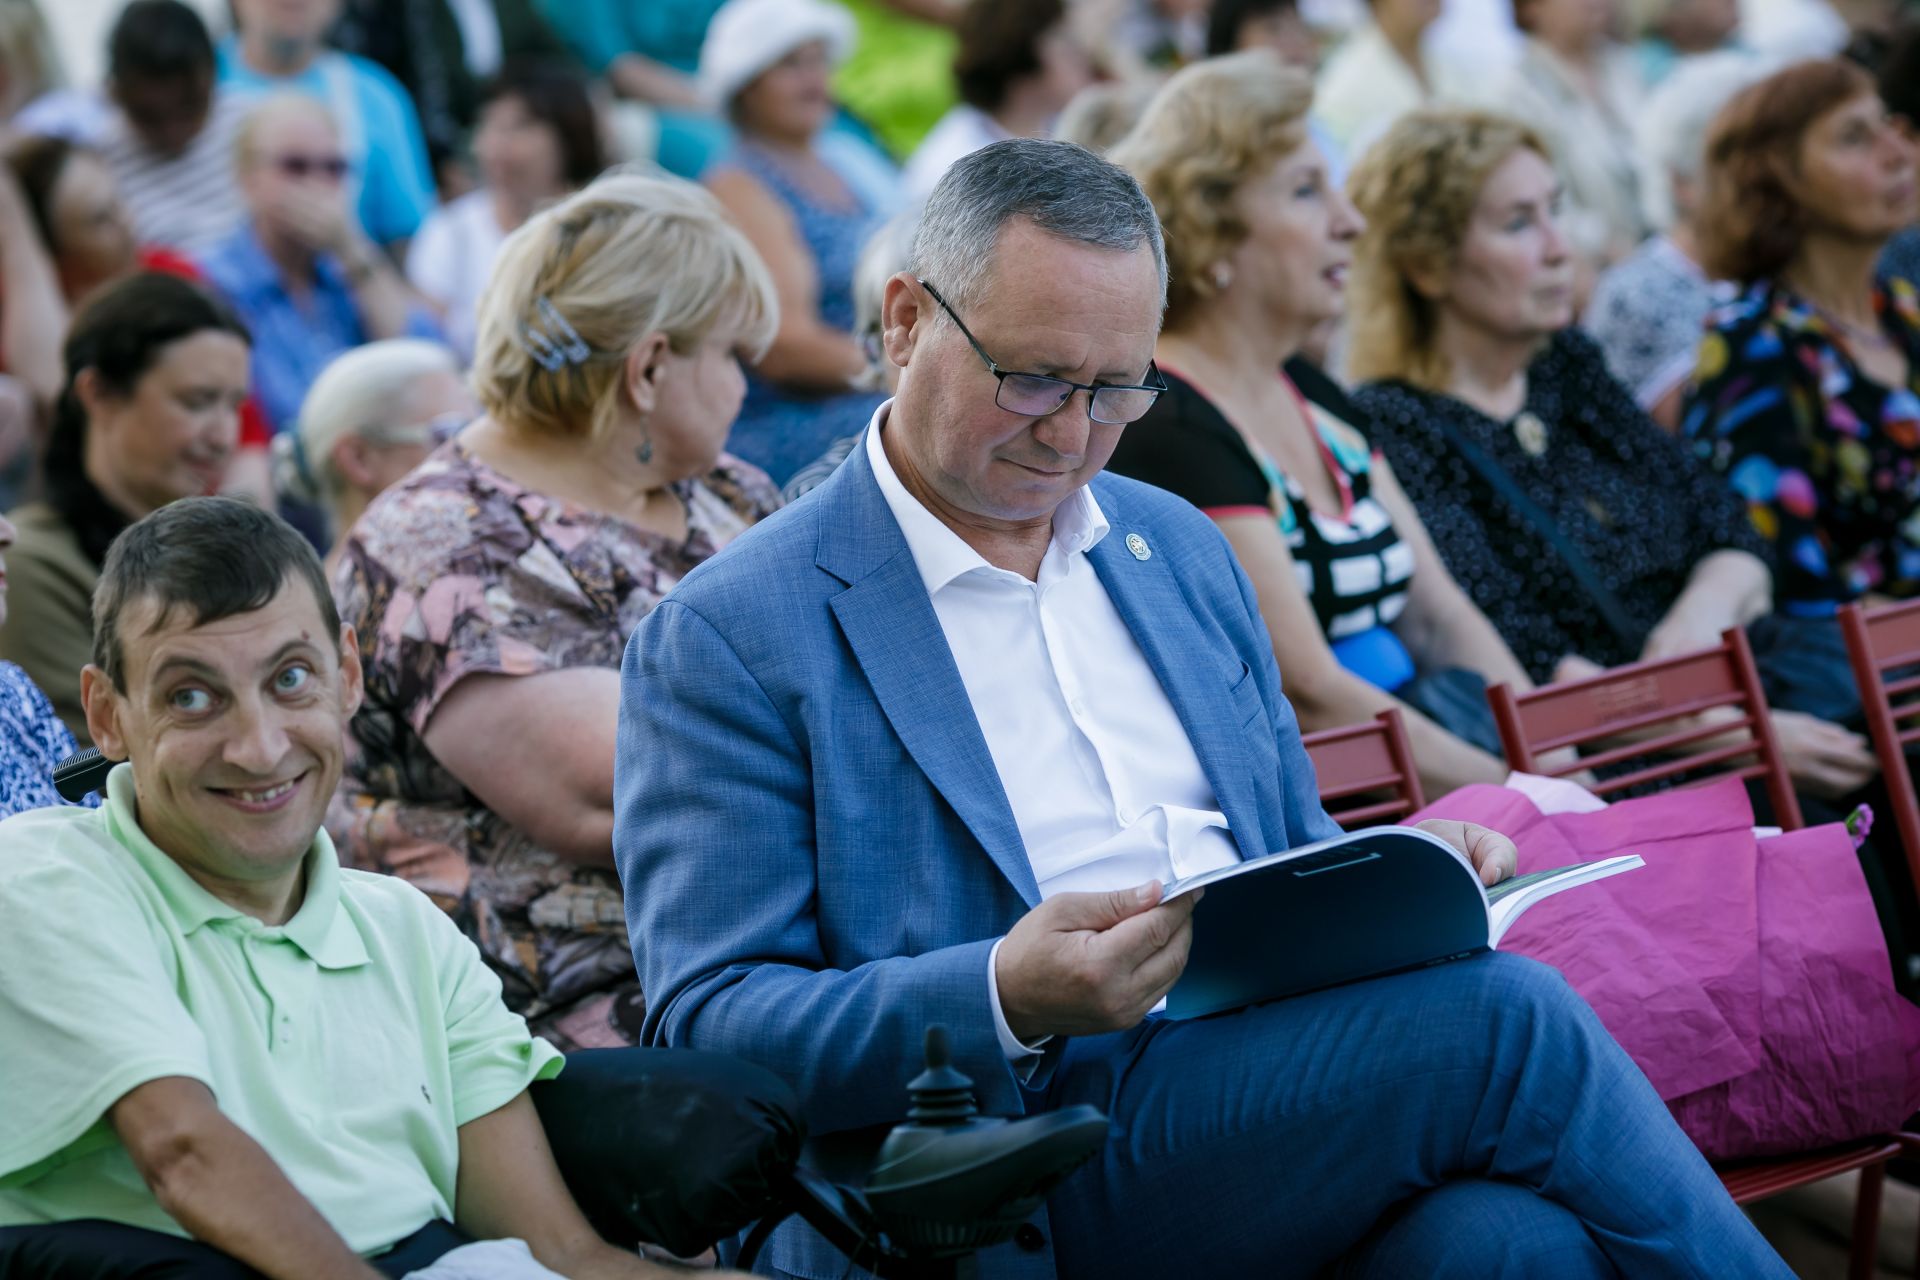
point(1806, 396)
point(1362, 611)
point(1586, 534)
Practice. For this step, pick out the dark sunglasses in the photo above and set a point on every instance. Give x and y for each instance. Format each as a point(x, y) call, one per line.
point(333, 168)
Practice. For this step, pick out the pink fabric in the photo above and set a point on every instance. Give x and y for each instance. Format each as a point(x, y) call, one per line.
point(1747, 977)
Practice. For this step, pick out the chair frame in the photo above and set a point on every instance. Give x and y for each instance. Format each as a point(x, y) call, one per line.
point(1642, 696)
point(1880, 641)
point(1361, 760)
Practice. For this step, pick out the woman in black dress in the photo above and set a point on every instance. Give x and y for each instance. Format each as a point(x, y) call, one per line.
point(1588, 537)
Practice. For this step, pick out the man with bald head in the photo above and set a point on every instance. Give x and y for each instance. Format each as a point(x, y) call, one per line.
point(300, 271)
point(924, 746)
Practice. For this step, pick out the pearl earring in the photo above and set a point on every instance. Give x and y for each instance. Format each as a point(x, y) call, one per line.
point(1222, 275)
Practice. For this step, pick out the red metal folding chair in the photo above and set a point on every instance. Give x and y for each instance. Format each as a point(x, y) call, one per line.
point(1884, 647)
point(1368, 764)
point(1640, 705)
point(1644, 700)
point(1880, 644)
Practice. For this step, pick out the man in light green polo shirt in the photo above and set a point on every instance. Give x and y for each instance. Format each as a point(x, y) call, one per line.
point(214, 1040)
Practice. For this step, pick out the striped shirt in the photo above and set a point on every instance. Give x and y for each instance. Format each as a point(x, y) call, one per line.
point(189, 202)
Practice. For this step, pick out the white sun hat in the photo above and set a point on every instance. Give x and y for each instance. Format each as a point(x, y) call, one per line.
point(748, 36)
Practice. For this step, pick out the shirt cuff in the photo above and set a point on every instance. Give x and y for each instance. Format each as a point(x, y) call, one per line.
point(1020, 1056)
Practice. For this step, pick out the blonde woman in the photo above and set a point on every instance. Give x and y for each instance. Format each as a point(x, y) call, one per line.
point(1585, 533)
point(371, 416)
point(494, 588)
point(1359, 605)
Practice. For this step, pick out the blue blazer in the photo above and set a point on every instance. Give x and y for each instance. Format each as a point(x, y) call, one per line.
point(815, 848)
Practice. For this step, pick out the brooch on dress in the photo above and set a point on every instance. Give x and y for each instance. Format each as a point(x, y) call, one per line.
point(1530, 433)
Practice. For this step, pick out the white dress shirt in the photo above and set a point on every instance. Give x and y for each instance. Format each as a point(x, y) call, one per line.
point(1103, 782)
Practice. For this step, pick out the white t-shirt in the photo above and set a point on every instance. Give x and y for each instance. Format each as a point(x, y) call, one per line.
point(451, 259)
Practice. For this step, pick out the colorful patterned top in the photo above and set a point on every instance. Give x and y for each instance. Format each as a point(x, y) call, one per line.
point(32, 742)
point(455, 571)
point(1827, 459)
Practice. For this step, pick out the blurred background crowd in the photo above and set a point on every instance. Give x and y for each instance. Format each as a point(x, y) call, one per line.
point(1507, 340)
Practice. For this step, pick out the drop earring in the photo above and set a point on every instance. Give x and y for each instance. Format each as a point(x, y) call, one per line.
point(645, 452)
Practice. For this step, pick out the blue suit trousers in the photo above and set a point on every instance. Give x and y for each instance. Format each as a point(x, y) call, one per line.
point(1470, 1119)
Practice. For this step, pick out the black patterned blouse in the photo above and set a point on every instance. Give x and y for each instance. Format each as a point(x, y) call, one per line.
point(1627, 495)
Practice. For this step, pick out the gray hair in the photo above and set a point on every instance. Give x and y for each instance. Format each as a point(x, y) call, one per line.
point(1672, 129)
point(365, 392)
point(1064, 189)
point(884, 257)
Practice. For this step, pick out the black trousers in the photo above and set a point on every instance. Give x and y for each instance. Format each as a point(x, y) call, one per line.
point(94, 1250)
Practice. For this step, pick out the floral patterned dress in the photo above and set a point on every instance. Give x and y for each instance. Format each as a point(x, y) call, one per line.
point(459, 571)
point(1827, 459)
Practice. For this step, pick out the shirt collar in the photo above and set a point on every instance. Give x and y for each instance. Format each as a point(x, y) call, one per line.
point(938, 552)
point(320, 928)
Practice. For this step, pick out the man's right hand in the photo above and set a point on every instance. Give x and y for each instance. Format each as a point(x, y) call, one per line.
point(1087, 963)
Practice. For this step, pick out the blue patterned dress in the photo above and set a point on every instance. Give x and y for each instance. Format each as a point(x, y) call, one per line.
point(32, 742)
point(781, 430)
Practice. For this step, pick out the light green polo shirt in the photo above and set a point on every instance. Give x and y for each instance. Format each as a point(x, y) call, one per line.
point(351, 1042)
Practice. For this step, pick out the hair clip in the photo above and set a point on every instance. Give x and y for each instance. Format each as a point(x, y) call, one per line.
point(558, 347)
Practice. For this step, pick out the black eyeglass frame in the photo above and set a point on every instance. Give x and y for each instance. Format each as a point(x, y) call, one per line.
point(1093, 389)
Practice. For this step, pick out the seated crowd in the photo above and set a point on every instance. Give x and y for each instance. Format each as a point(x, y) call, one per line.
point(762, 525)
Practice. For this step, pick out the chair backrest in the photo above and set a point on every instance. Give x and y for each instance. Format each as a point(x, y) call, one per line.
point(1627, 716)
point(1368, 764)
point(1884, 646)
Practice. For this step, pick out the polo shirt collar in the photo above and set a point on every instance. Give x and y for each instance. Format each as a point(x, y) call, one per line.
point(320, 928)
point(939, 553)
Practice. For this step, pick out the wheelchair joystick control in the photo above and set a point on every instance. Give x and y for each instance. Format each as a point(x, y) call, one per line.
point(950, 1181)
point(941, 1095)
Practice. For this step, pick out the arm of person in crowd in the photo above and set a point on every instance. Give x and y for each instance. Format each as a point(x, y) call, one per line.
point(1325, 694)
point(387, 305)
point(1726, 589)
point(510, 1188)
point(33, 312)
point(223, 1188)
point(636, 76)
point(1441, 625)
point(538, 750)
point(806, 353)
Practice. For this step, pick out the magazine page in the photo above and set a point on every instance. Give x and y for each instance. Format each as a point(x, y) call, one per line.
point(1507, 900)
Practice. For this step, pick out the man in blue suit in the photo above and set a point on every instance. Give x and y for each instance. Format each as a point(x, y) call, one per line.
point(923, 747)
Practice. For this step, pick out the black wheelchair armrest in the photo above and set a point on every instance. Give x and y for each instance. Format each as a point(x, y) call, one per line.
point(671, 1146)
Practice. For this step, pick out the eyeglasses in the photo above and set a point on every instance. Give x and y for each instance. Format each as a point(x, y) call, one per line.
point(434, 431)
point(333, 168)
point(1035, 395)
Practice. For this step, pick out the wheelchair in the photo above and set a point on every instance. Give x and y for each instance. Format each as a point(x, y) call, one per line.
point(727, 1154)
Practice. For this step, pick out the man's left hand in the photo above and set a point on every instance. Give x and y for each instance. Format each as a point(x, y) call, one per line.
point(1491, 853)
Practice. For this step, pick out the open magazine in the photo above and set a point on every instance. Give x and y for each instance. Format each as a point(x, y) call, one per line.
point(1360, 905)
